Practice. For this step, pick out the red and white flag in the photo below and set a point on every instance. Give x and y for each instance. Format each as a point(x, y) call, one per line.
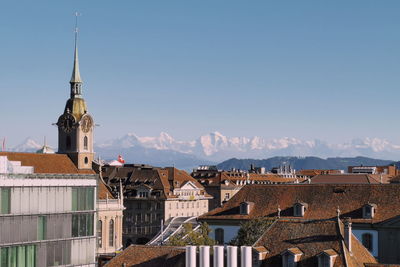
point(121, 159)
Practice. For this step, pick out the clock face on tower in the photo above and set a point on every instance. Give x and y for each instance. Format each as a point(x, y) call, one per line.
point(86, 123)
point(66, 122)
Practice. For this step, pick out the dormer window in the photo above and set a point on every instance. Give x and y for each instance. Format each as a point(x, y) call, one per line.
point(291, 257)
point(245, 208)
point(327, 258)
point(299, 209)
point(369, 211)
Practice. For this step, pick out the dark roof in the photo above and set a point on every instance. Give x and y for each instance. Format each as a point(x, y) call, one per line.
point(311, 238)
point(322, 199)
point(158, 179)
point(149, 256)
point(348, 179)
point(343, 178)
point(46, 163)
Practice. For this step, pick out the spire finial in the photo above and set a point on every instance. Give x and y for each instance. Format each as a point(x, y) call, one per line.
point(76, 77)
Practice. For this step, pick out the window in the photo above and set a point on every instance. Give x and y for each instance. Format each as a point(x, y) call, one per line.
point(86, 160)
point(111, 234)
point(85, 143)
point(369, 211)
point(183, 205)
point(82, 225)
point(5, 200)
point(139, 205)
point(68, 142)
point(299, 209)
point(82, 198)
point(158, 205)
point(227, 196)
point(198, 204)
point(100, 233)
point(219, 236)
point(41, 229)
point(327, 258)
point(366, 240)
point(18, 256)
point(244, 208)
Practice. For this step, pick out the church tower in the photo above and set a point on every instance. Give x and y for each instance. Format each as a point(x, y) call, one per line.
point(75, 125)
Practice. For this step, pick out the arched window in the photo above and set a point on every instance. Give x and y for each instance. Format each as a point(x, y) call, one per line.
point(100, 232)
point(111, 234)
point(219, 236)
point(86, 160)
point(68, 142)
point(85, 143)
point(367, 241)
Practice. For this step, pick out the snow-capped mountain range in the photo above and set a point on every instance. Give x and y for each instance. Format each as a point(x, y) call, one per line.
point(216, 147)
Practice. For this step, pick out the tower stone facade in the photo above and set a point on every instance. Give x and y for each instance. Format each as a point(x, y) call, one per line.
point(75, 125)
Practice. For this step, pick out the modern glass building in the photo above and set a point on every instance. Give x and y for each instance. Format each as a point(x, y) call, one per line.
point(46, 219)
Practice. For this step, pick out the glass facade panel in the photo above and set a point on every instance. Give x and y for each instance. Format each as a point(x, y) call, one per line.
point(5, 200)
point(74, 199)
point(82, 225)
point(83, 198)
point(18, 256)
point(42, 222)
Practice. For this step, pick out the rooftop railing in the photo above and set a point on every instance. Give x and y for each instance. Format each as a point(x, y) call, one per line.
point(46, 176)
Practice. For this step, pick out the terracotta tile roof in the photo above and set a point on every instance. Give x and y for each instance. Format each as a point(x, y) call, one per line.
point(46, 163)
point(149, 256)
point(104, 192)
point(310, 238)
point(347, 179)
point(272, 178)
point(322, 199)
point(313, 172)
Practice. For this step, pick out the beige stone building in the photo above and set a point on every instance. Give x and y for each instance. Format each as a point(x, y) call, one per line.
point(153, 196)
point(109, 224)
point(223, 185)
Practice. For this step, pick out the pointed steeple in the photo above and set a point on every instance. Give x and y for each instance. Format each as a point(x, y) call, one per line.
point(76, 81)
point(76, 76)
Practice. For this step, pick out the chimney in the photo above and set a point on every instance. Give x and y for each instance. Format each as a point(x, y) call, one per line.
point(347, 233)
point(232, 256)
point(204, 256)
point(190, 256)
point(218, 256)
point(246, 257)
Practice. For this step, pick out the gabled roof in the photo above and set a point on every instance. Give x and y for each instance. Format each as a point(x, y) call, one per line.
point(310, 238)
point(46, 163)
point(323, 201)
point(162, 179)
point(149, 256)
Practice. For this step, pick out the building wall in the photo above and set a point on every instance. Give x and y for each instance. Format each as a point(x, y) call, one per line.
point(185, 208)
point(142, 217)
point(108, 210)
point(375, 248)
point(229, 231)
point(46, 220)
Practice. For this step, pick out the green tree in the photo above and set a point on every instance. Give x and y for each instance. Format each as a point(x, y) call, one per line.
point(190, 237)
point(250, 231)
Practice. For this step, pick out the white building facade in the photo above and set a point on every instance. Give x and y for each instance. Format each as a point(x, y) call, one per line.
point(46, 219)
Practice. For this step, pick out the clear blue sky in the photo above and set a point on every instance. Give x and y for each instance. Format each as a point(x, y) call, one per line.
point(305, 69)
